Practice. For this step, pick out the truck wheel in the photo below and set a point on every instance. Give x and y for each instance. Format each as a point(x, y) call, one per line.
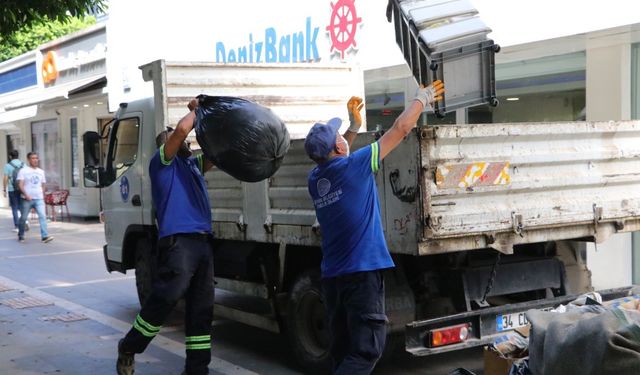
point(306, 324)
point(146, 264)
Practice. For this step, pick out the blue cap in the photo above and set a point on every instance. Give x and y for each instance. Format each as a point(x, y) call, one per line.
point(321, 139)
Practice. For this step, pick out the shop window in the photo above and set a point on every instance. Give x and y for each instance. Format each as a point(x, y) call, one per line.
point(568, 105)
point(546, 89)
point(13, 140)
point(382, 111)
point(75, 170)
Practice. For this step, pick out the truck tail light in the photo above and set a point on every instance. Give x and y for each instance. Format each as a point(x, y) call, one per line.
point(449, 335)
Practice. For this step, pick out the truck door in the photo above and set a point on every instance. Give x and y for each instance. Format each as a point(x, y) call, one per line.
point(121, 194)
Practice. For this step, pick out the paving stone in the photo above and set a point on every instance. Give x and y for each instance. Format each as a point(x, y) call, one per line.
point(66, 317)
point(4, 288)
point(24, 302)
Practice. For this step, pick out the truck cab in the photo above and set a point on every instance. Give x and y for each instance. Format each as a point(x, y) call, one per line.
point(125, 147)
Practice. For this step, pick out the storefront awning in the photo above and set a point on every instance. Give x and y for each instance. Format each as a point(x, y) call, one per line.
point(18, 114)
point(61, 92)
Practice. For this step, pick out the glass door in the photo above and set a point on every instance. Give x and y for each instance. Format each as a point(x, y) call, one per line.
point(44, 141)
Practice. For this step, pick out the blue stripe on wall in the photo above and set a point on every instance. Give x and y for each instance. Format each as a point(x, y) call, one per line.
point(18, 78)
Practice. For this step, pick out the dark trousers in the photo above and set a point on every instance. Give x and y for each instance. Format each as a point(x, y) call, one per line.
point(14, 202)
point(355, 307)
point(185, 268)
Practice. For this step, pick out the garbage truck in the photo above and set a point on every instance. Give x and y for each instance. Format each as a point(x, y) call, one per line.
point(484, 222)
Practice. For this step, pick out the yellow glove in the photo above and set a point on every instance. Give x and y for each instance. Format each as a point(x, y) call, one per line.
point(354, 105)
point(432, 93)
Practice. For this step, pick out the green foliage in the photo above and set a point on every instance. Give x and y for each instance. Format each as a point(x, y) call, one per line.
point(19, 13)
point(31, 36)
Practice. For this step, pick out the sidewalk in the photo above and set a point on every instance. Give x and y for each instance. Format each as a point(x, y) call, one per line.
point(52, 323)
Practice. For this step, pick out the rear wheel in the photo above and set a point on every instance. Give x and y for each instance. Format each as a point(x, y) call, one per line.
point(307, 326)
point(146, 265)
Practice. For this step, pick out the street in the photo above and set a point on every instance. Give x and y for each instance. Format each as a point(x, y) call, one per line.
point(61, 312)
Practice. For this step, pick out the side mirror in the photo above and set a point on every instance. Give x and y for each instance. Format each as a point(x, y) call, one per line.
point(92, 171)
point(91, 142)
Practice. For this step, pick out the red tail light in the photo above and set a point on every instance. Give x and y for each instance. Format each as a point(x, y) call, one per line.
point(449, 335)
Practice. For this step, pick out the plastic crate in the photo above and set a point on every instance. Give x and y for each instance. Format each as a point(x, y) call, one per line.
point(447, 41)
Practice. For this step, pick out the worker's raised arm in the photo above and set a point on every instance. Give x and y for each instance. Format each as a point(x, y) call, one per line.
point(408, 118)
point(354, 105)
point(177, 137)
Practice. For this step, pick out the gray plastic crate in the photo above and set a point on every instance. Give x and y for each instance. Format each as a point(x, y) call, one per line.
point(446, 40)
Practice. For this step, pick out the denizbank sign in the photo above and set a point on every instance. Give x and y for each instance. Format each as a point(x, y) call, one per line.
point(273, 48)
point(307, 42)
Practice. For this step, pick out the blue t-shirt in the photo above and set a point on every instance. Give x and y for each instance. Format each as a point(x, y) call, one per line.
point(179, 194)
point(345, 196)
point(8, 171)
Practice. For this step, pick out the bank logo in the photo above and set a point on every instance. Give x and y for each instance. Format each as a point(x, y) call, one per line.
point(342, 26)
point(281, 44)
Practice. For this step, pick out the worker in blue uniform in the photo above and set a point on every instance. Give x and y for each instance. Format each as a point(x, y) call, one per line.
point(354, 250)
point(185, 254)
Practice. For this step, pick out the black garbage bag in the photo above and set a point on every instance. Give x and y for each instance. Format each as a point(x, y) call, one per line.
point(242, 138)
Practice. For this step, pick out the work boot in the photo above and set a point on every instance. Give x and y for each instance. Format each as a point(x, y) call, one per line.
point(125, 364)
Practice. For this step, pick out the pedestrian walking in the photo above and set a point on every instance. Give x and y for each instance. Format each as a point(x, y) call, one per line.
point(354, 250)
point(31, 180)
point(8, 186)
point(185, 259)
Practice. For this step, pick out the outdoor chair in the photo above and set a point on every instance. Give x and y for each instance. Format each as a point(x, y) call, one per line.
point(54, 199)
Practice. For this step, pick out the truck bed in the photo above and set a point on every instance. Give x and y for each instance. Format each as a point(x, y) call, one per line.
point(463, 187)
point(445, 188)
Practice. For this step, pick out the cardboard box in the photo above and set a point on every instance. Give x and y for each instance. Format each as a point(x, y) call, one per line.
point(494, 364)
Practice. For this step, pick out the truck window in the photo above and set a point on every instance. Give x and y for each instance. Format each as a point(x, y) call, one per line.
point(123, 150)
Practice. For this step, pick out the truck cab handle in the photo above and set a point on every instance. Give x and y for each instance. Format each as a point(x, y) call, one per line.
point(136, 201)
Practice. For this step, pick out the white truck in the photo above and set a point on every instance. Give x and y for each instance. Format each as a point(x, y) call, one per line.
point(483, 221)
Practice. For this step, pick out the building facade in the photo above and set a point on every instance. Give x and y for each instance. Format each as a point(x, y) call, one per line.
point(48, 98)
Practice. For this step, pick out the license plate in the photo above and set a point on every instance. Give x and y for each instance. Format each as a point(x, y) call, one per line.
point(508, 322)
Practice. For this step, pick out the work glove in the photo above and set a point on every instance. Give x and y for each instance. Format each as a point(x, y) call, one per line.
point(432, 93)
point(354, 105)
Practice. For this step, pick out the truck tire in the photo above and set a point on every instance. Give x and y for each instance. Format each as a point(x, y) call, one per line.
point(308, 329)
point(146, 265)
point(306, 325)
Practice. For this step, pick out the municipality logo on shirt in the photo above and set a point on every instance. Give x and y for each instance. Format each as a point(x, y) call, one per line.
point(323, 186)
